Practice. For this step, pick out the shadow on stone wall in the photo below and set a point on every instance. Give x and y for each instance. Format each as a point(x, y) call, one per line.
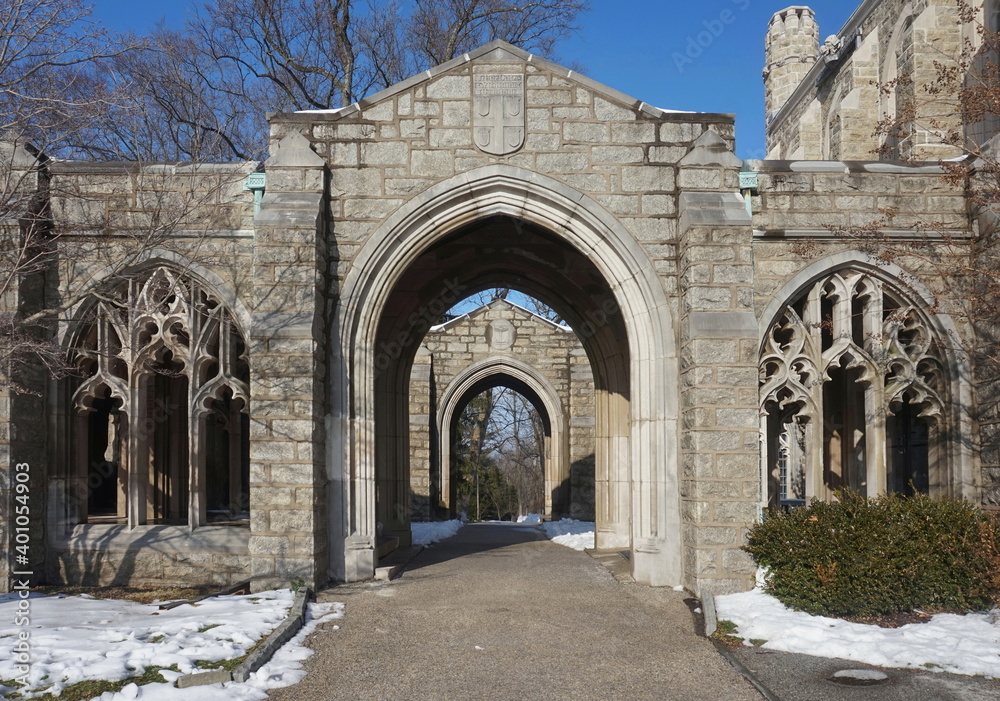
point(581, 479)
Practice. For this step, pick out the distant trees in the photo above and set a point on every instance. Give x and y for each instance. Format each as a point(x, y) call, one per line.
point(499, 460)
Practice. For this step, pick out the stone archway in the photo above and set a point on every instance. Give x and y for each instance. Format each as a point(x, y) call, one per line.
point(522, 378)
point(606, 287)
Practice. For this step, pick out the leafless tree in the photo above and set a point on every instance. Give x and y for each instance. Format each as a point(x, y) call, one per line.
point(519, 447)
point(61, 98)
point(443, 29)
point(212, 84)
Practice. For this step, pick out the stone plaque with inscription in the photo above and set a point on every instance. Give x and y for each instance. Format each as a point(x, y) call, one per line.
point(498, 113)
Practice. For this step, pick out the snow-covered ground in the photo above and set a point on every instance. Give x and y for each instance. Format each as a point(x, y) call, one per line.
point(427, 532)
point(967, 644)
point(578, 535)
point(78, 637)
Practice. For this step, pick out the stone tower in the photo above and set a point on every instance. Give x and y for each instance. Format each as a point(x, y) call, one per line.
point(790, 50)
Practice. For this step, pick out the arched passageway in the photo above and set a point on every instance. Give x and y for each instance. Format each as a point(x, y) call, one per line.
point(506, 372)
point(502, 230)
point(493, 252)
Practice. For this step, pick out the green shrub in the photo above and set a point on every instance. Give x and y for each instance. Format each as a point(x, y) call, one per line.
point(862, 557)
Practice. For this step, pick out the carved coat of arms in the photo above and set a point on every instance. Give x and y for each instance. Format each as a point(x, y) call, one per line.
point(498, 113)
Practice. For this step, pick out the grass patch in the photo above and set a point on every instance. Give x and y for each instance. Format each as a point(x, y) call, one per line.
point(232, 664)
point(228, 665)
point(89, 688)
point(209, 627)
point(141, 595)
point(757, 642)
point(725, 633)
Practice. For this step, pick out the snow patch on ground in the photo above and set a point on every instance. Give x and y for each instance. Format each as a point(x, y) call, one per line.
point(529, 518)
point(427, 532)
point(77, 638)
point(578, 535)
point(967, 644)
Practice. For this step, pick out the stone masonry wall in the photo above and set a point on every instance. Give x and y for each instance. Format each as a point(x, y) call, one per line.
point(806, 212)
point(116, 218)
point(22, 442)
point(288, 352)
point(389, 149)
point(791, 46)
point(719, 431)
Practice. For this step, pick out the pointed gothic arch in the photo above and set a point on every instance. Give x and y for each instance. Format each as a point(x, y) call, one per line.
point(510, 372)
point(638, 444)
point(861, 386)
point(158, 421)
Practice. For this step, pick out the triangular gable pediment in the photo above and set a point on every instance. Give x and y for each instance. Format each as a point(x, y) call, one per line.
point(497, 51)
point(498, 304)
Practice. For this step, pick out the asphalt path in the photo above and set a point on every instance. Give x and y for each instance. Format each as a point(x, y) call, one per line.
point(500, 612)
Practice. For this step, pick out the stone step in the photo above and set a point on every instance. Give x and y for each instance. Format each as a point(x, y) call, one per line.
point(390, 566)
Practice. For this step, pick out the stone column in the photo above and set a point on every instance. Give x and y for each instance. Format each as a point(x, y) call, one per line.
point(422, 419)
point(288, 536)
point(719, 417)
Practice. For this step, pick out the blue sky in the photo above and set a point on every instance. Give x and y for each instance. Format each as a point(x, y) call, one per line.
point(702, 56)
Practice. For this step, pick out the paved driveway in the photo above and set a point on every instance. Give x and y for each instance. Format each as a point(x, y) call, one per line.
point(499, 612)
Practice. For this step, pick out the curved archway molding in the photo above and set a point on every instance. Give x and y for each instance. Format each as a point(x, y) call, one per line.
point(456, 395)
point(643, 498)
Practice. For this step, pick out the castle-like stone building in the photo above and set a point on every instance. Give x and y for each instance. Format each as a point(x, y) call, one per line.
point(254, 398)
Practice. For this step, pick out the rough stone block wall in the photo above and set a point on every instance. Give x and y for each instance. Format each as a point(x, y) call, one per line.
point(423, 432)
point(115, 218)
point(387, 151)
point(805, 213)
point(719, 420)
point(288, 373)
point(790, 48)
point(108, 555)
point(390, 149)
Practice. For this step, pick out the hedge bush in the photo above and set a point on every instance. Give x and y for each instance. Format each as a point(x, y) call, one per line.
point(859, 557)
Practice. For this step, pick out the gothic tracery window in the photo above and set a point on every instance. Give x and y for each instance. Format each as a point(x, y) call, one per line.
point(852, 394)
point(161, 430)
